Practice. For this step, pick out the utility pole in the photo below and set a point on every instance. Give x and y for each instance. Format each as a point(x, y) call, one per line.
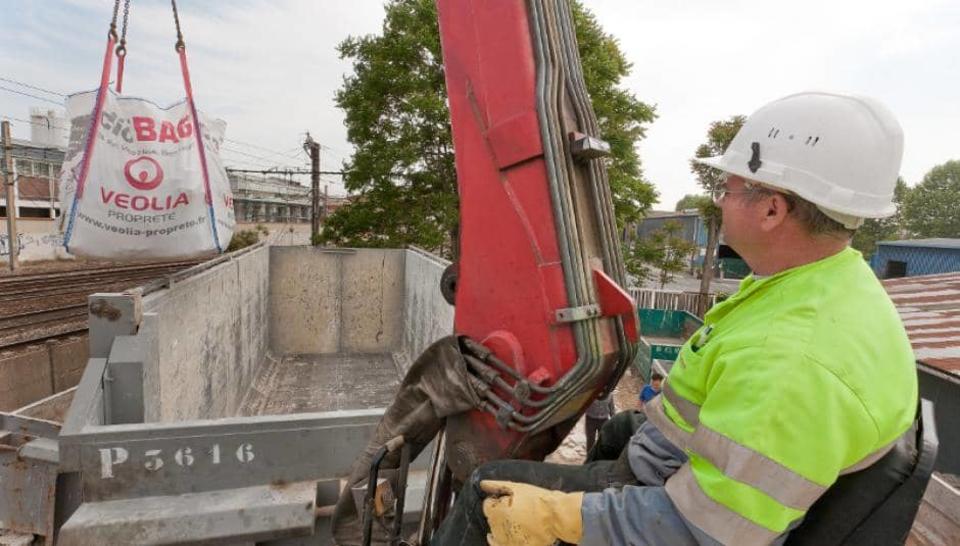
point(8, 180)
point(313, 150)
point(326, 195)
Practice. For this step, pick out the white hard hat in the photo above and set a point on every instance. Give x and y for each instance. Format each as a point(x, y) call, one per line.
point(840, 152)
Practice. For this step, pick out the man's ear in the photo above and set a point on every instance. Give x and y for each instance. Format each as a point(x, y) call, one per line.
point(775, 212)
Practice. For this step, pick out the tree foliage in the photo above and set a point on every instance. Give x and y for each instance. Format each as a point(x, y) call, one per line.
point(402, 170)
point(396, 117)
point(690, 201)
point(661, 255)
point(875, 230)
point(930, 208)
point(719, 136)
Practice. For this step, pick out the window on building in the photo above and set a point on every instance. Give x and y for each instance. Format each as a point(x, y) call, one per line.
point(895, 269)
point(24, 167)
point(34, 212)
point(41, 169)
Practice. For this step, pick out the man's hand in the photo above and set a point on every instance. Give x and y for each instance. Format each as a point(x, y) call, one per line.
point(524, 515)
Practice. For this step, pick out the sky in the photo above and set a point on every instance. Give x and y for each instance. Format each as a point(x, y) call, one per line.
point(271, 70)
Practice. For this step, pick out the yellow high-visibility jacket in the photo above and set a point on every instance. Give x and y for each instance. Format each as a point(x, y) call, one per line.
point(794, 380)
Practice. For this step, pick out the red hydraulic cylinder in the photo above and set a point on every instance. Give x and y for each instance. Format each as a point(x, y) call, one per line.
point(539, 272)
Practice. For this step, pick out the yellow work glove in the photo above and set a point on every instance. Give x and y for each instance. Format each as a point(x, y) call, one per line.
point(520, 514)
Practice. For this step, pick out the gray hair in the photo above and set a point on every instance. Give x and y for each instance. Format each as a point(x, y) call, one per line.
point(808, 214)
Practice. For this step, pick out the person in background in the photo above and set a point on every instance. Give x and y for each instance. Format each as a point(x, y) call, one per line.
point(651, 389)
point(598, 413)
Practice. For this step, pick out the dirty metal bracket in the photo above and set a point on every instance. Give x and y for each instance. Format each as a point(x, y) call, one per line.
point(585, 147)
point(29, 461)
point(576, 314)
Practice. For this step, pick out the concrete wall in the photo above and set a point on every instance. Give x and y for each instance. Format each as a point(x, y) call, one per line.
point(27, 375)
point(335, 301)
point(24, 378)
point(212, 337)
point(427, 317)
point(68, 358)
point(39, 240)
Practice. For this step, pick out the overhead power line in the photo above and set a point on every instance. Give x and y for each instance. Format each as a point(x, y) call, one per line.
point(246, 162)
point(294, 153)
point(260, 159)
point(38, 124)
point(34, 87)
point(38, 97)
point(257, 147)
point(245, 154)
point(283, 171)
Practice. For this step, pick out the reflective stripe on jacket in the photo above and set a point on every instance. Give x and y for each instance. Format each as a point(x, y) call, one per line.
point(794, 380)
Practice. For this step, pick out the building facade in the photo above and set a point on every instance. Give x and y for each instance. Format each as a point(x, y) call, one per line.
point(36, 167)
point(910, 258)
point(692, 227)
point(259, 199)
point(694, 230)
point(272, 200)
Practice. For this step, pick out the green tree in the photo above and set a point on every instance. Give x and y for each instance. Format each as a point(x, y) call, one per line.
point(638, 257)
point(690, 201)
point(397, 119)
point(243, 239)
point(930, 208)
point(875, 230)
point(719, 136)
point(396, 116)
point(661, 255)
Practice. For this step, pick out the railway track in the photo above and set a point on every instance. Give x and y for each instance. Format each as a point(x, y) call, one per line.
point(42, 306)
point(42, 282)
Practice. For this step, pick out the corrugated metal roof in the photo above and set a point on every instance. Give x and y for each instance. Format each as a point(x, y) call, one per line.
point(925, 243)
point(930, 308)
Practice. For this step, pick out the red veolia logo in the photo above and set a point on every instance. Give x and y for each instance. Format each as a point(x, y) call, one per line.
point(143, 173)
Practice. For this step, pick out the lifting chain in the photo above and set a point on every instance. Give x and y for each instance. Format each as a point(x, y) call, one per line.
point(113, 22)
point(176, 20)
point(122, 47)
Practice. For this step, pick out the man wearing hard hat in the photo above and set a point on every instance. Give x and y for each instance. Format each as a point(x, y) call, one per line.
point(779, 392)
